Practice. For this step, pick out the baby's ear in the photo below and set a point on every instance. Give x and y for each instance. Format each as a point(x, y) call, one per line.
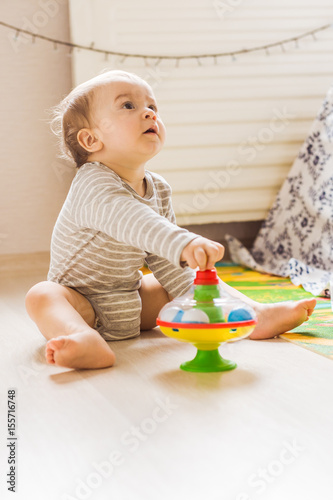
point(88, 140)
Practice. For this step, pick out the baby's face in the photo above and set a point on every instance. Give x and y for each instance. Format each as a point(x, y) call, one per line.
point(127, 122)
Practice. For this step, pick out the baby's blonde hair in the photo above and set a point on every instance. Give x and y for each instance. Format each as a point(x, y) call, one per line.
point(74, 113)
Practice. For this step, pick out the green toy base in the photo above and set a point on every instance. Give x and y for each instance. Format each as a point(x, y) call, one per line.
point(208, 361)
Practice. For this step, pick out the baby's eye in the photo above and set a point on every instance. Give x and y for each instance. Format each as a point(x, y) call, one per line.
point(153, 107)
point(128, 105)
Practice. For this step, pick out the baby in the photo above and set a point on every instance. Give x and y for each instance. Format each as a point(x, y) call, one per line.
point(117, 217)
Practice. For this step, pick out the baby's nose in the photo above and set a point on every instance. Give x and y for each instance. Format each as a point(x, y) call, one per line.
point(151, 114)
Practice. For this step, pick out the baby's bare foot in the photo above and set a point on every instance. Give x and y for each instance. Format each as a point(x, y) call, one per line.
point(79, 350)
point(281, 317)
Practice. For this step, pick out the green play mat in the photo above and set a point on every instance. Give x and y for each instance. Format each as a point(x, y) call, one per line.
point(315, 334)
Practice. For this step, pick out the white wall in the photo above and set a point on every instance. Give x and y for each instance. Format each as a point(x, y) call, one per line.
point(224, 113)
point(34, 77)
point(208, 110)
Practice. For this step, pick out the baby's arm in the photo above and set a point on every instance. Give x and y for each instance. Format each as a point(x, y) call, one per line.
point(99, 201)
point(203, 253)
point(174, 279)
point(199, 252)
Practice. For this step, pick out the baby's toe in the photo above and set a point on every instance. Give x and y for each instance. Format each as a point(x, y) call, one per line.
point(49, 354)
point(56, 343)
point(53, 346)
point(310, 306)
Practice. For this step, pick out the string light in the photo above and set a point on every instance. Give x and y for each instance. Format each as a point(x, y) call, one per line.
point(159, 58)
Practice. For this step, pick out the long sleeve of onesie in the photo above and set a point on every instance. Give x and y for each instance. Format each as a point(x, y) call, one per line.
point(165, 272)
point(105, 204)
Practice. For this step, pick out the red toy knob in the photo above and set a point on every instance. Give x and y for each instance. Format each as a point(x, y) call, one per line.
point(208, 277)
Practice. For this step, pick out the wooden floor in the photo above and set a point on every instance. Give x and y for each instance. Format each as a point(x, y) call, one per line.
point(145, 430)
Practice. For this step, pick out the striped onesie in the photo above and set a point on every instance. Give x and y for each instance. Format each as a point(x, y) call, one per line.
point(105, 233)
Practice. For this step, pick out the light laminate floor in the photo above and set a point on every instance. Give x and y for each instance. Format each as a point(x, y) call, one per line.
point(145, 430)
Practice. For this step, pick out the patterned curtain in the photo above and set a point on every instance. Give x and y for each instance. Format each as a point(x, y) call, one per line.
point(296, 239)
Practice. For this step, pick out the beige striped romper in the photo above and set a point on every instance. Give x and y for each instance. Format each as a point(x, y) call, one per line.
point(105, 233)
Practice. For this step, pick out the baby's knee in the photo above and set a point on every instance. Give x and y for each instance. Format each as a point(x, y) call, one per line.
point(40, 295)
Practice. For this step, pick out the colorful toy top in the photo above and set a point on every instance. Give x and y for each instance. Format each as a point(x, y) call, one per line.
point(206, 302)
point(207, 316)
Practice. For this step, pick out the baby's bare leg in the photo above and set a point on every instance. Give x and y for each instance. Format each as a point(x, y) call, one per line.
point(153, 298)
point(276, 318)
point(66, 319)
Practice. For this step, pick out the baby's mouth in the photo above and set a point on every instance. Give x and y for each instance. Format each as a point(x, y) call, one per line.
point(151, 131)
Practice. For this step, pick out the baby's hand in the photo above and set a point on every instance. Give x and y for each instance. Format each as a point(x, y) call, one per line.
point(203, 253)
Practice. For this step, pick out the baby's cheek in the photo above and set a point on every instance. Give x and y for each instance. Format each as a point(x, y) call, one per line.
point(107, 125)
point(162, 131)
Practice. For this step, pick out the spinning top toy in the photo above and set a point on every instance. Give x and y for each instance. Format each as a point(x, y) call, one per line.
point(207, 316)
